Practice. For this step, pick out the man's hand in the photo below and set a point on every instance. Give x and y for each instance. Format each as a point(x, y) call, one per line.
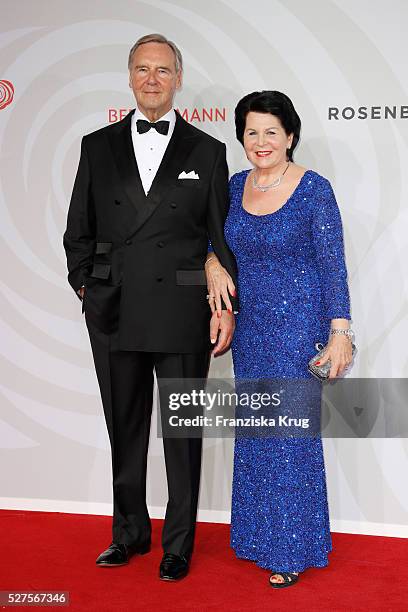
point(81, 292)
point(223, 328)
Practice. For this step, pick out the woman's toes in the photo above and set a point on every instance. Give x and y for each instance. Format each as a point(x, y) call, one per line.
point(276, 578)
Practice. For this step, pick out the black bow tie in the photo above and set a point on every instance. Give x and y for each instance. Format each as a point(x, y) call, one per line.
point(160, 126)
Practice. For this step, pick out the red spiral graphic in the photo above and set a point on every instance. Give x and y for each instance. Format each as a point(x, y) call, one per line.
point(6, 93)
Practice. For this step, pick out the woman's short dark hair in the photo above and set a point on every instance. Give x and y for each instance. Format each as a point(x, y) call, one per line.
point(274, 103)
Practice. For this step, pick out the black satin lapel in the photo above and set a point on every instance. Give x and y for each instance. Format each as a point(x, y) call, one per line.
point(180, 145)
point(123, 152)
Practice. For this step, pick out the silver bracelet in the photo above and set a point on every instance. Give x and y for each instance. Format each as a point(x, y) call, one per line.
point(209, 258)
point(344, 332)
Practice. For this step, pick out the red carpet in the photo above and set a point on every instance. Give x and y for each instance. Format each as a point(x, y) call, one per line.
point(52, 551)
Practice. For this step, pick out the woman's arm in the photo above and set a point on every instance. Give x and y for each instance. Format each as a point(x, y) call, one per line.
point(328, 241)
point(219, 284)
point(218, 207)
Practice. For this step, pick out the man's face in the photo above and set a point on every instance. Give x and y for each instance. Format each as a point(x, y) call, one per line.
point(153, 79)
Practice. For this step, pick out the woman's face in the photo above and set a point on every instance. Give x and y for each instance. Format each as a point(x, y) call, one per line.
point(265, 140)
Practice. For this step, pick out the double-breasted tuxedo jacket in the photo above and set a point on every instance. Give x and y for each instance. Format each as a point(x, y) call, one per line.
point(141, 258)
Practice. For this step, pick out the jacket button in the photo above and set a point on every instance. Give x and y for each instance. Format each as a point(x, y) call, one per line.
point(117, 202)
point(160, 244)
point(159, 279)
point(128, 241)
point(173, 205)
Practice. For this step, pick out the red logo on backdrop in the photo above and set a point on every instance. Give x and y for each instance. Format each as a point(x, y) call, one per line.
point(6, 93)
point(211, 114)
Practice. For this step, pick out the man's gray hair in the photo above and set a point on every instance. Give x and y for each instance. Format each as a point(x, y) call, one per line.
point(157, 38)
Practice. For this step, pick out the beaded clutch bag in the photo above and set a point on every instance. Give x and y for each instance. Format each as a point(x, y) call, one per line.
point(322, 371)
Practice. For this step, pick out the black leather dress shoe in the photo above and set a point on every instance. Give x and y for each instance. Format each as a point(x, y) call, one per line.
point(119, 554)
point(173, 567)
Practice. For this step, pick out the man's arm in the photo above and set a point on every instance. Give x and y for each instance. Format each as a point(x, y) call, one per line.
point(79, 237)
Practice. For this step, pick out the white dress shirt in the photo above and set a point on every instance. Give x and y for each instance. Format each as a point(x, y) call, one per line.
point(150, 147)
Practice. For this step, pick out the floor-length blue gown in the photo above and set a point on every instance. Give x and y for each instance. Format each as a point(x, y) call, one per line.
point(292, 281)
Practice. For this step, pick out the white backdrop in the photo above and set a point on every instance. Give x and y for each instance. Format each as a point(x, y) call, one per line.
point(62, 74)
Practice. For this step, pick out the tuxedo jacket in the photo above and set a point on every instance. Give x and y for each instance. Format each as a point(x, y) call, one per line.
point(141, 258)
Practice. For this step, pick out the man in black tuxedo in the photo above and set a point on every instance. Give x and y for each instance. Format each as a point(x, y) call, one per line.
point(150, 191)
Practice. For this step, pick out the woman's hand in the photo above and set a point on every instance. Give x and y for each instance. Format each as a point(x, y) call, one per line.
point(219, 283)
point(340, 355)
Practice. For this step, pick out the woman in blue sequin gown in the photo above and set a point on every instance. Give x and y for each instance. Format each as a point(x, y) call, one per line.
point(292, 286)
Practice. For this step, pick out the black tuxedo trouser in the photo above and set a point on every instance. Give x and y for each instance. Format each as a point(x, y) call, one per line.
point(126, 384)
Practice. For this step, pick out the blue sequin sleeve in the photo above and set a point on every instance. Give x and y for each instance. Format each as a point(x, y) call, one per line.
point(327, 233)
point(230, 189)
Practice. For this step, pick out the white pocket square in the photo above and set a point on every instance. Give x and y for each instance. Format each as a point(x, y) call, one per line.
point(188, 175)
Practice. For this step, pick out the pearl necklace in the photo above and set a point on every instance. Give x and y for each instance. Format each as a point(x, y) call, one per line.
point(272, 185)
